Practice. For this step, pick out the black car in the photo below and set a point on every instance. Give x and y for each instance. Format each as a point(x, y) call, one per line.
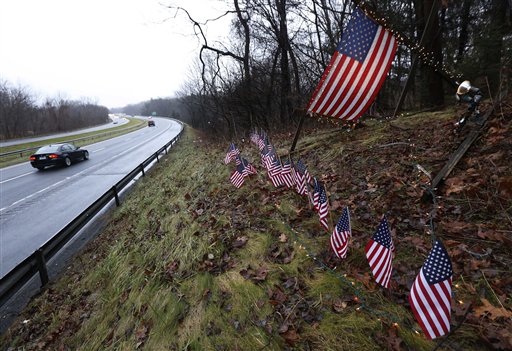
point(151, 123)
point(57, 154)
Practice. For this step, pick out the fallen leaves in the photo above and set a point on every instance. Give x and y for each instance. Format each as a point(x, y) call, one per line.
point(488, 310)
point(256, 275)
point(390, 339)
point(240, 242)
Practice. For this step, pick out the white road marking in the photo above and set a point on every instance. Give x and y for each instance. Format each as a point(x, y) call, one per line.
point(73, 176)
point(21, 175)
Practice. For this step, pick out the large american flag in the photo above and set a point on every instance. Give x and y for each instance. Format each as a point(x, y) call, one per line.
point(356, 71)
point(232, 153)
point(431, 293)
point(341, 234)
point(379, 252)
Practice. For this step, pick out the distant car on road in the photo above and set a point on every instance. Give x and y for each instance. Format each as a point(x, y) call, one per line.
point(57, 154)
point(151, 123)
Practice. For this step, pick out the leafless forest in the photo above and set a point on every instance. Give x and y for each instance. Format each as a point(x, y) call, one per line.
point(279, 49)
point(277, 52)
point(22, 116)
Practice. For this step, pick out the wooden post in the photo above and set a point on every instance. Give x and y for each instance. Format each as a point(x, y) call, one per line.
point(414, 63)
point(296, 138)
point(403, 94)
point(459, 153)
point(329, 208)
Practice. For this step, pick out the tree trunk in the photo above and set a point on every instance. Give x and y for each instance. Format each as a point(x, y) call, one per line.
point(433, 95)
point(491, 47)
point(464, 23)
point(285, 105)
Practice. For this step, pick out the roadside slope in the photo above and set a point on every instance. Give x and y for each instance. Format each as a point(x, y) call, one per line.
point(190, 262)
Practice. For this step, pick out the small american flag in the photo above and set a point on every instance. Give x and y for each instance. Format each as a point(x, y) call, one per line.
point(249, 168)
point(320, 203)
point(317, 189)
point(323, 209)
point(431, 293)
point(238, 176)
point(302, 167)
point(341, 234)
point(274, 172)
point(356, 71)
point(231, 154)
point(301, 178)
point(268, 157)
point(286, 173)
point(254, 137)
point(379, 252)
point(261, 143)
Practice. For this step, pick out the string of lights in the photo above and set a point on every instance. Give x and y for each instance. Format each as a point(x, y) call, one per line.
point(424, 55)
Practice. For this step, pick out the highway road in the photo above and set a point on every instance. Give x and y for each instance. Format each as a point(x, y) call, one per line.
point(116, 121)
point(35, 205)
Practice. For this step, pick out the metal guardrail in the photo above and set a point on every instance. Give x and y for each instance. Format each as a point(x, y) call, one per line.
point(13, 281)
point(71, 140)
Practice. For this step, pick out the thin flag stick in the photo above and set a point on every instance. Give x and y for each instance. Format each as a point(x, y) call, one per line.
point(329, 205)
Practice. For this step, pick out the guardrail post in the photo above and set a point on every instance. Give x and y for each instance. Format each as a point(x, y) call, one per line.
point(157, 159)
point(142, 170)
point(41, 266)
point(165, 150)
point(116, 196)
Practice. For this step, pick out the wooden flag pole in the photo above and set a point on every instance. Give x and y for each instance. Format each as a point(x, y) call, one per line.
point(297, 133)
point(329, 205)
point(414, 63)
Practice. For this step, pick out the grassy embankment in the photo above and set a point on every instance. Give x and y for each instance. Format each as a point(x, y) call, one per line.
point(188, 262)
point(114, 132)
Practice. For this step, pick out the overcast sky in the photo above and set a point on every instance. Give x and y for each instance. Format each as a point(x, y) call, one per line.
point(115, 52)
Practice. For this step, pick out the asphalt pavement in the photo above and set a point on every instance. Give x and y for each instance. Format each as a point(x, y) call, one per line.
point(112, 124)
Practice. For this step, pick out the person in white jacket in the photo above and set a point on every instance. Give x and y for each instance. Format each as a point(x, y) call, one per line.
point(472, 96)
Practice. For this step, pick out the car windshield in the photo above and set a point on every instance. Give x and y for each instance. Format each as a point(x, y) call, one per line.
point(48, 149)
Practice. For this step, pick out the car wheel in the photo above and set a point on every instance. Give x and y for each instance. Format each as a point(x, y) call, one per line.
point(86, 155)
point(67, 161)
point(41, 168)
